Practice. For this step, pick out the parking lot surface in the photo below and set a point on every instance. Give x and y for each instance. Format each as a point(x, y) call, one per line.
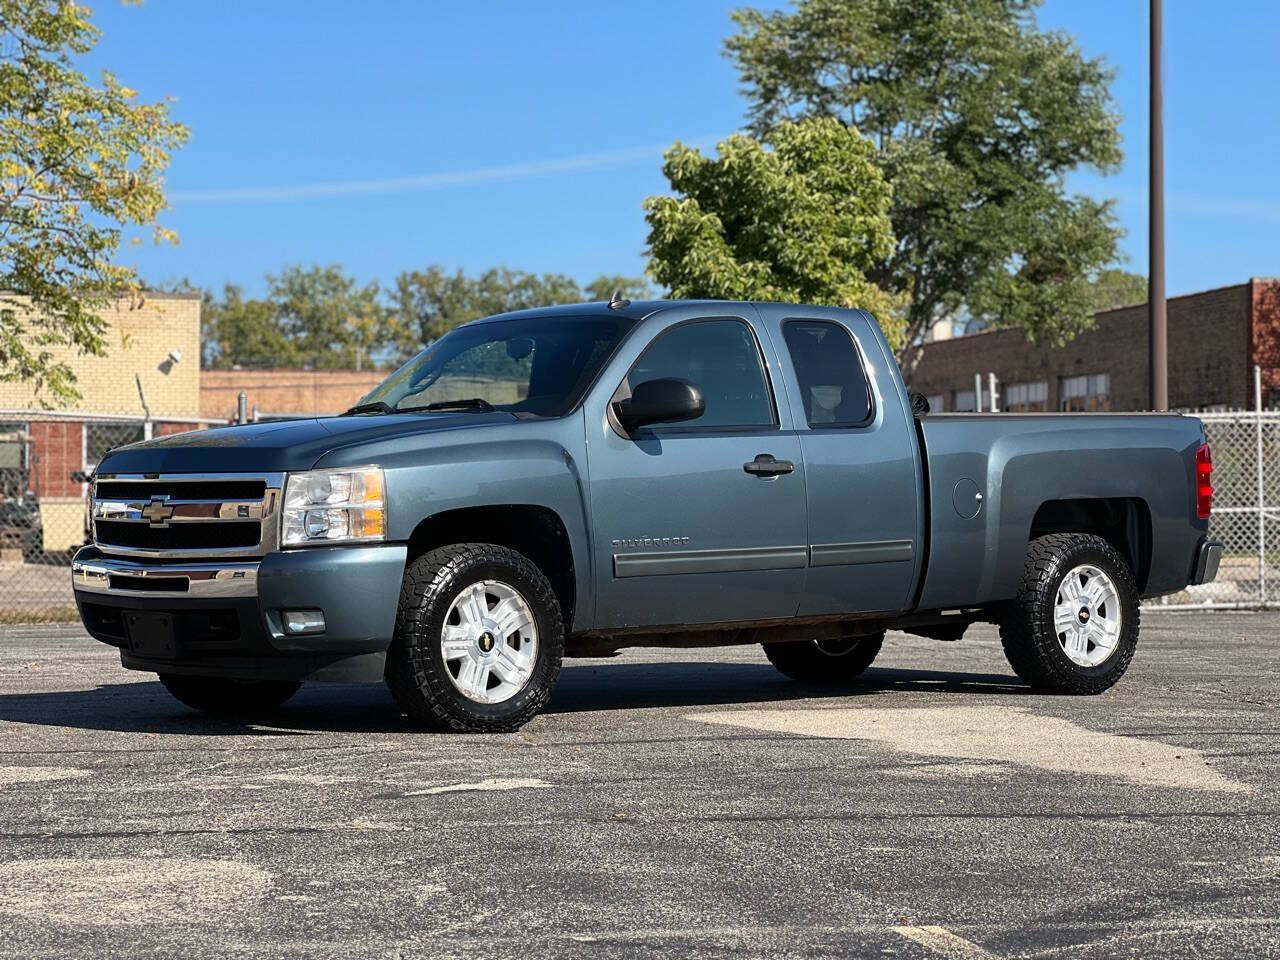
point(672, 803)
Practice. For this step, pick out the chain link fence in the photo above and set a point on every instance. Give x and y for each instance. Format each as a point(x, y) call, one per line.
point(45, 461)
point(1246, 514)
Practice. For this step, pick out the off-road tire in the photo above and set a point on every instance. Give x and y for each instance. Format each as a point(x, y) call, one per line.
point(416, 673)
point(226, 697)
point(809, 662)
point(1026, 623)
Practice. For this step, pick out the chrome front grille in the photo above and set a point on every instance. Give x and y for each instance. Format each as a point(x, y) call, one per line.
point(186, 515)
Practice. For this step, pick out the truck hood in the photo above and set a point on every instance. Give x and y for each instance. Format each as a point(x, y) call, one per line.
point(279, 445)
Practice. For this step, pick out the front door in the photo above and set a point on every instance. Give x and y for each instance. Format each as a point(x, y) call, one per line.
point(701, 521)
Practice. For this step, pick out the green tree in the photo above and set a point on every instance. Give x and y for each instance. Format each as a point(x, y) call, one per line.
point(801, 217)
point(977, 116)
point(236, 332)
point(431, 302)
point(1114, 287)
point(78, 164)
point(629, 288)
point(331, 320)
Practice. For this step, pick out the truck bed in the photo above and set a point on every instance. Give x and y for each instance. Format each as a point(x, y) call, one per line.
point(1029, 467)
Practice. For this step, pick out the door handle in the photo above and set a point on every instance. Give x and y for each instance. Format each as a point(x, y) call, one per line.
point(764, 465)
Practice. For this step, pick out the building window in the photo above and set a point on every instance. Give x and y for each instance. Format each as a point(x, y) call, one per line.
point(1027, 397)
point(14, 480)
point(1088, 393)
point(962, 401)
point(99, 437)
point(937, 402)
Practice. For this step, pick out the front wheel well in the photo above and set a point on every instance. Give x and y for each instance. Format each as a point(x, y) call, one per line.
point(537, 532)
point(1124, 522)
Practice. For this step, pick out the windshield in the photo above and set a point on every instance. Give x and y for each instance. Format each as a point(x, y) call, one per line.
point(539, 366)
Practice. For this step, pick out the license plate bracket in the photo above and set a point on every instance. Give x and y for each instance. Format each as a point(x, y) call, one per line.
point(152, 635)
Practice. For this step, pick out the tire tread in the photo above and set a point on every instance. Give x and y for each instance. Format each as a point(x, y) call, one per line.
point(1030, 644)
point(421, 692)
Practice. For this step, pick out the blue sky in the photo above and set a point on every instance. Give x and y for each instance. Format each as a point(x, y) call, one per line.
point(388, 136)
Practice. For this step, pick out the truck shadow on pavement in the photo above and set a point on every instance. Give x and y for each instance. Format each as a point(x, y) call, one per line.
point(146, 707)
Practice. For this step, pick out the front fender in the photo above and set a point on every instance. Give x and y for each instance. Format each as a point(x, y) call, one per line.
point(530, 463)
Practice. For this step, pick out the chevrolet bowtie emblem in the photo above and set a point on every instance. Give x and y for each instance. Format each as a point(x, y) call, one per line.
point(158, 512)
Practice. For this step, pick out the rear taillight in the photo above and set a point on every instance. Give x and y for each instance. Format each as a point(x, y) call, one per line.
point(1204, 482)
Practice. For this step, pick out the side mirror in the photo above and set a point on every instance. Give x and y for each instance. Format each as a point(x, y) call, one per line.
point(660, 401)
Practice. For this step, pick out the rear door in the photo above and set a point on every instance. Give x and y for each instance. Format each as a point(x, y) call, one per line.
point(862, 474)
point(683, 532)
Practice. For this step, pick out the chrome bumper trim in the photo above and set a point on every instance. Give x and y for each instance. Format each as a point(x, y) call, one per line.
point(201, 580)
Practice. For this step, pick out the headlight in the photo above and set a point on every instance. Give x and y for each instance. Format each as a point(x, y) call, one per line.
point(334, 506)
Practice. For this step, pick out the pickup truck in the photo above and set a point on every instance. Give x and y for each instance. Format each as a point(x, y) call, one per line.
point(575, 480)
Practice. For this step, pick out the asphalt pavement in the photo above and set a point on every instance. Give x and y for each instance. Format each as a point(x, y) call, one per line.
point(668, 803)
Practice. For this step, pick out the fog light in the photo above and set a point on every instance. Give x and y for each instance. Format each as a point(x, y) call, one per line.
point(303, 621)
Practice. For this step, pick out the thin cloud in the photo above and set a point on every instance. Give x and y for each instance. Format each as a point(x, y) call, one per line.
point(427, 181)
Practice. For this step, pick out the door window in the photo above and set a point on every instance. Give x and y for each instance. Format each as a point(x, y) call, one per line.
point(833, 383)
point(720, 358)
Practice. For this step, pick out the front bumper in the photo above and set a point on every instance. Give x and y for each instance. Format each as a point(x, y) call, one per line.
point(227, 617)
point(1208, 556)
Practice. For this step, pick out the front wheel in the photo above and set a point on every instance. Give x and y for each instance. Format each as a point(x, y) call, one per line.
point(478, 642)
point(837, 660)
point(1073, 627)
point(228, 697)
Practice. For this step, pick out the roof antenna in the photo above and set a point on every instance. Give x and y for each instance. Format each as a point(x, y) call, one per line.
point(617, 301)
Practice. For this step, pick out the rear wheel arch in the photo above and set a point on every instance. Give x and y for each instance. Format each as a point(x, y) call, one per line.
point(1124, 522)
point(535, 531)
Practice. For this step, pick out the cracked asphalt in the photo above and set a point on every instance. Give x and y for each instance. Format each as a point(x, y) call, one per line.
point(675, 803)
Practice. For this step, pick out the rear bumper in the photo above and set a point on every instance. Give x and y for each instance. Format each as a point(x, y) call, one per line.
point(228, 616)
point(1208, 556)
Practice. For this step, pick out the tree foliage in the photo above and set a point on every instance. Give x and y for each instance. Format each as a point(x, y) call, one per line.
point(240, 332)
point(1118, 288)
point(977, 116)
point(78, 164)
point(431, 302)
point(801, 216)
point(331, 321)
point(320, 318)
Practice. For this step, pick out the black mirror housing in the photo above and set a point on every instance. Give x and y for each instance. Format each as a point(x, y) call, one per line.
point(660, 401)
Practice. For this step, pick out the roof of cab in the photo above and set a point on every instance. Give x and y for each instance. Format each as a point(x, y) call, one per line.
point(633, 310)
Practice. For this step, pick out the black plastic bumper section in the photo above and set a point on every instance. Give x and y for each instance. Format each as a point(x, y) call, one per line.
point(1208, 556)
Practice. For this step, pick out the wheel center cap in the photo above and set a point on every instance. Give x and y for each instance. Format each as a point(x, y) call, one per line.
point(1083, 615)
point(486, 641)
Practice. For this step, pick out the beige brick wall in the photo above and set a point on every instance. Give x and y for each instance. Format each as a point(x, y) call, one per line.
point(139, 339)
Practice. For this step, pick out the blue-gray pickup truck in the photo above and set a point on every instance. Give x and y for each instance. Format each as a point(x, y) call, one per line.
point(570, 481)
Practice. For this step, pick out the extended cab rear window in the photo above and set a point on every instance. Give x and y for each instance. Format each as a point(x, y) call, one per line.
point(833, 381)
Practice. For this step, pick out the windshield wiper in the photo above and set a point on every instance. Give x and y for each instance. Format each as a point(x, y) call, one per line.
point(471, 403)
point(373, 406)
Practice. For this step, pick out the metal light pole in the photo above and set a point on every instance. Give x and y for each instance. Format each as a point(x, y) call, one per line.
point(1159, 332)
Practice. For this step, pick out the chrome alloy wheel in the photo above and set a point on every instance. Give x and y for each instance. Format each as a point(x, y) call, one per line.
point(489, 642)
point(1086, 616)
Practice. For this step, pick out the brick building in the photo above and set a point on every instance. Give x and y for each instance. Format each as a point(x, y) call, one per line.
point(284, 391)
point(155, 342)
point(1215, 339)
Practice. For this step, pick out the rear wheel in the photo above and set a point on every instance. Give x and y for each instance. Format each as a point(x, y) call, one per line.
point(836, 660)
point(228, 697)
point(1073, 627)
